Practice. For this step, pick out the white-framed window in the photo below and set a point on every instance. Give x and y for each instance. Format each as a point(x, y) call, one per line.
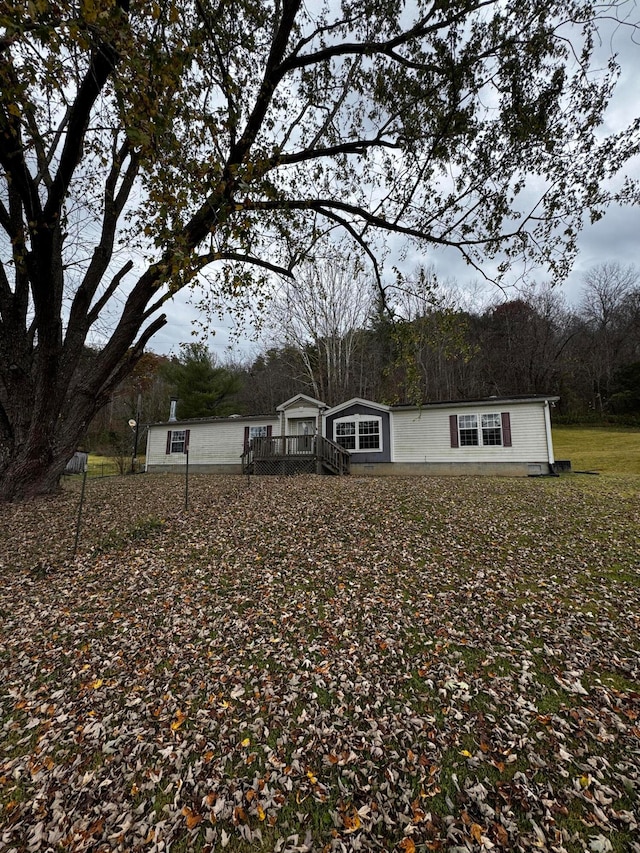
point(492, 430)
point(481, 430)
point(255, 432)
point(468, 430)
point(358, 433)
point(178, 438)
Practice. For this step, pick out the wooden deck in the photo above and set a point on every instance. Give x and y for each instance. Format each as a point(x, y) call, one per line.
point(295, 454)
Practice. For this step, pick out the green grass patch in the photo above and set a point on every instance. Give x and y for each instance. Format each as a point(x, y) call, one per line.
point(102, 466)
point(606, 450)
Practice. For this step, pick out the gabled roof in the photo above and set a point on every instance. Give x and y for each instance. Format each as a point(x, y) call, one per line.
point(301, 399)
point(358, 401)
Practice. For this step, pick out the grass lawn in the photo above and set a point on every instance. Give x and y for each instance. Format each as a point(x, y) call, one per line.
point(608, 451)
point(102, 466)
point(322, 664)
point(109, 466)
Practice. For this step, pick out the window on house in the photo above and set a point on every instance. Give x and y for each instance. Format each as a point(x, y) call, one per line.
point(358, 433)
point(345, 434)
point(491, 430)
point(468, 427)
point(369, 435)
point(251, 432)
point(178, 437)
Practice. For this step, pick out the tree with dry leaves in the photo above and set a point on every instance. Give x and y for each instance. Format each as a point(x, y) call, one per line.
point(321, 314)
point(608, 326)
point(142, 145)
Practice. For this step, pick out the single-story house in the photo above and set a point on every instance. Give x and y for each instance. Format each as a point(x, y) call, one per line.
point(503, 436)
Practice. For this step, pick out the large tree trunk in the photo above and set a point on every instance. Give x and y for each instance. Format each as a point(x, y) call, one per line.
point(41, 427)
point(37, 440)
point(48, 398)
point(30, 475)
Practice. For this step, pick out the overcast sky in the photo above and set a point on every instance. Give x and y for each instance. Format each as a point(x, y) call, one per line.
point(614, 238)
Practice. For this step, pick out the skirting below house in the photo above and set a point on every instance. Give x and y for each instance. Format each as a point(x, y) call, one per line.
point(284, 466)
point(453, 469)
point(382, 469)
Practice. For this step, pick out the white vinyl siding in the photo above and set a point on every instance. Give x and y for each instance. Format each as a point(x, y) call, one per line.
point(417, 436)
point(214, 443)
point(424, 435)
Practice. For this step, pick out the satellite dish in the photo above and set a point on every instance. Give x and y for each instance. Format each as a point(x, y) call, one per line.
point(132, 423)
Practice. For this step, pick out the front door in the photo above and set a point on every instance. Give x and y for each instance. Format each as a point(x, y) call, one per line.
point(305, 430)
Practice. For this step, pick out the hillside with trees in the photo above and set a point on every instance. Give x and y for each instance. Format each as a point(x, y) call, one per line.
point(424, 346)
point(149, 148)
point(334, 339)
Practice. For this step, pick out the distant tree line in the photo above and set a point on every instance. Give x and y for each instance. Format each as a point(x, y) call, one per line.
point(333, 338)
point(421, 345)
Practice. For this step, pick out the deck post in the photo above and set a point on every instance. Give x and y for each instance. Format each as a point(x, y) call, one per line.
point(318, 439)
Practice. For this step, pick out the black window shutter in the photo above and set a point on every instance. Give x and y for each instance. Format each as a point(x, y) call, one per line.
point(269, 431)
point(187, 433)
point(453, 430)
point(246, 438)
point(506, 429)
point(168, 450)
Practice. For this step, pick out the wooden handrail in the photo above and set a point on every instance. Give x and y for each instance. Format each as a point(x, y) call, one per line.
point(333, 455)
point(275, 447)
point(246, 460)
point(266, 447)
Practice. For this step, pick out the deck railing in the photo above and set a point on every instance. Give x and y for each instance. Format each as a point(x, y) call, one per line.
point(283, 445)
point(332, 455)
point(275, 448)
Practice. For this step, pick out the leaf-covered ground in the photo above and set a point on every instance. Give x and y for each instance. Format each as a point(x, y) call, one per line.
point(322, 664)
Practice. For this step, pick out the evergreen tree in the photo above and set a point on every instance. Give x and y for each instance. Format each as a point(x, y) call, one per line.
point(203, 389)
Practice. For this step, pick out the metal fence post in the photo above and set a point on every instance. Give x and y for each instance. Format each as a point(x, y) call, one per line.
point(186, 475)
point(84, 480)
